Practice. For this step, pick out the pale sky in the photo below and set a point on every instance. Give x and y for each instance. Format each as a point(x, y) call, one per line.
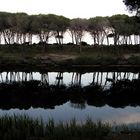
point(68, 8)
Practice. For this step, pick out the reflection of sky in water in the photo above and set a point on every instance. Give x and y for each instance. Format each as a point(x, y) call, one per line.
point(65, 113)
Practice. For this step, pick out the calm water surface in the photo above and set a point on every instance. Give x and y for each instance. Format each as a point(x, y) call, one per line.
point(69, 110)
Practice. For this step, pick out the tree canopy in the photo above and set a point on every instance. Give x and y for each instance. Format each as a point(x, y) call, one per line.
point(133, 5)
point(20, 28)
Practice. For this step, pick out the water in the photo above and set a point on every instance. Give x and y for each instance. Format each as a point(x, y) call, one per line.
point(75, 106)
point(68, 78)
point(65, 113)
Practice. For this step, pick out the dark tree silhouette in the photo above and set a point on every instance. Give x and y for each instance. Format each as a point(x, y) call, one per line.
point(21, 28)
point(133, 5)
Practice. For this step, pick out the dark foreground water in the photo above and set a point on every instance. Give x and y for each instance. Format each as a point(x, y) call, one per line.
point(108, 100)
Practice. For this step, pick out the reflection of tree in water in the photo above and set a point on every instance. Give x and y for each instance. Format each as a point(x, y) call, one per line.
point(59, 79)
point(125, 92)
point(76, 79)
point(100, 78)
point(45, 79)
point(19, 89)
point(78, 105)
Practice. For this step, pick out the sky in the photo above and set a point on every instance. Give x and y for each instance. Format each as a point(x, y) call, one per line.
point(68, 8)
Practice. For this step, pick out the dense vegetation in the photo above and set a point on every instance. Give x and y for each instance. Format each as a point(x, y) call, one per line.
point(133, 5)
point(25, 128)
point(19, 28)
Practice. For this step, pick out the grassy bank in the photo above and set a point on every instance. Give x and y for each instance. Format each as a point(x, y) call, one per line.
point(35, 56)
point(25, 128)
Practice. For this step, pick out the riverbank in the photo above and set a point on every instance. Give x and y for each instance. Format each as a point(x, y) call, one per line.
point(68, 58)
point(26, 128)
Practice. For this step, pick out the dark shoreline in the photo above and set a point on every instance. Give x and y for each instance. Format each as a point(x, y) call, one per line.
point(49, 67)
